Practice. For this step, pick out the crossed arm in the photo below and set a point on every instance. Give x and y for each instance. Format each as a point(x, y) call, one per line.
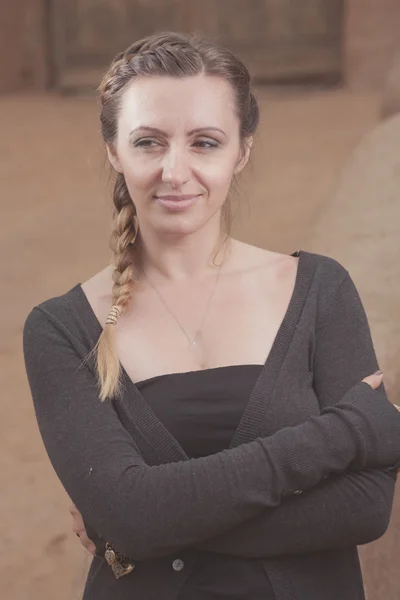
point(348, 509)
point(209, 498)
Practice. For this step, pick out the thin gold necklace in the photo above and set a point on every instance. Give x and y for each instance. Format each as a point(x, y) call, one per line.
point(192, 343)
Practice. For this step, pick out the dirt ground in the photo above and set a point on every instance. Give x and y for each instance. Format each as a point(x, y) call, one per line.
point(54, 226)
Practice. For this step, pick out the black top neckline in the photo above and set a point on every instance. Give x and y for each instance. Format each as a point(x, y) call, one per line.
point(199, 372)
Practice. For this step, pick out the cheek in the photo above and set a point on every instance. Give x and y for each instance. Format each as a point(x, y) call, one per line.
point(217, 168)
point(139, 174)
point(218, 173)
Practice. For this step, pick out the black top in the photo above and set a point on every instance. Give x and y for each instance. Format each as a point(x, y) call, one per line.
point(310, 424)
point(202, 410)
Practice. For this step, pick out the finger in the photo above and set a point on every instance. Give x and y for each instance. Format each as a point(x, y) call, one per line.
point(87, 543)
point(77, 522)
point(92, 549)
point(374, 380)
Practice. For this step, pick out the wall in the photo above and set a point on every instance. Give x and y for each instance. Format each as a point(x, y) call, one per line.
point(371, 37)
point(23, 61)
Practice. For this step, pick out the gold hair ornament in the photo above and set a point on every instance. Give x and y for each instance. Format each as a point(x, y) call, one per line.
point(113, 315)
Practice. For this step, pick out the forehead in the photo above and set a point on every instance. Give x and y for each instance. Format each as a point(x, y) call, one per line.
point(171, 102)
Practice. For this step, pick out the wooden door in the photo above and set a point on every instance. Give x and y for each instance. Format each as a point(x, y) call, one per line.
point(87, 34)
point(278, 39)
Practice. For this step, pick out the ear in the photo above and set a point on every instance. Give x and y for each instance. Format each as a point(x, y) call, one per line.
point(245, 155)
point(113, 158)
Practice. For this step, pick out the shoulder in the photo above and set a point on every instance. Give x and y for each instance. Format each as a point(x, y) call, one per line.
point(56, 306)
point(330, 280)
point(66, 306)
point(69, 316)
point(334, 290)
point(56, 317)
point(253, 258)
point(327, 271)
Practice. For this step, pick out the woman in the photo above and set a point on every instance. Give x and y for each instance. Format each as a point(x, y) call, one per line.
point(203, 401)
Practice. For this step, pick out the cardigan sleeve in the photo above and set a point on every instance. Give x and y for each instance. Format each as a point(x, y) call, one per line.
point(149, 511)
point(348, 509)
point(343, 511)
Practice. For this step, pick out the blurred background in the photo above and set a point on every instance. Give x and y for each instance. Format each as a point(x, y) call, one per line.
point(325, 177)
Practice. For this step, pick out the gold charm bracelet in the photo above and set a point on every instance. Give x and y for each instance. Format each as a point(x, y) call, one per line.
point(120, 565)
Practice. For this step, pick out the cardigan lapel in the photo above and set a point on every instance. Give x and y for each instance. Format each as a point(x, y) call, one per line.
point(252, 423)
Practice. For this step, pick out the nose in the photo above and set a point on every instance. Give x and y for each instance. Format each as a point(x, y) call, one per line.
point(176, 167)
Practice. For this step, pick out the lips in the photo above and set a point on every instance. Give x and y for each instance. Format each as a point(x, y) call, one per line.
point(175, 198)
point(177, 203)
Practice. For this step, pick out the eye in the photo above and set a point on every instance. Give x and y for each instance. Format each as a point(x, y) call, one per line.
point(208, 143)
point(146, 143)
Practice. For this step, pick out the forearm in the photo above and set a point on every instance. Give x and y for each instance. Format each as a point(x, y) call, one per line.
point(350, 509)
point(344, 510)
point(195, 504)
point(148, 510)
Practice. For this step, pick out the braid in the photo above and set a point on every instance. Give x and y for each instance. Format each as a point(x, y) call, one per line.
point(123, 235)
point(125, 227)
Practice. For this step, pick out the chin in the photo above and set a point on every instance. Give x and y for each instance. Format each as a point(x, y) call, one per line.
point(179, 224)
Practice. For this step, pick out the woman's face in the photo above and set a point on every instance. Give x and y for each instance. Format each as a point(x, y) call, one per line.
point(178, 146)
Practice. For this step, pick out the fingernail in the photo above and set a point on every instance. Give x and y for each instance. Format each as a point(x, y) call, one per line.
point(378, 372)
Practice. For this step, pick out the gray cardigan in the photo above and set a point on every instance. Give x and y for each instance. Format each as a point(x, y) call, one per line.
point(309, 475)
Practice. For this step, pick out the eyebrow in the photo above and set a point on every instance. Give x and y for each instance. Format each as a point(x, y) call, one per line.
point(159, 131)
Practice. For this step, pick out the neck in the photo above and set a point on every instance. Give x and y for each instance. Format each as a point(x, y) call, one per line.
point(180, 258)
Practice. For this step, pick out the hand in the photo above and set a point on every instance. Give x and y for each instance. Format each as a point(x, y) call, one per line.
point(78, 527)
point(375, 380)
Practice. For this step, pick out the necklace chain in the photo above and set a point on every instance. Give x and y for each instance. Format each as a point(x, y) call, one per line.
point(194, 342)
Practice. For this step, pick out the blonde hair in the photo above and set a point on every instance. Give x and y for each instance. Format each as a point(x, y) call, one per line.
point(175, 55)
